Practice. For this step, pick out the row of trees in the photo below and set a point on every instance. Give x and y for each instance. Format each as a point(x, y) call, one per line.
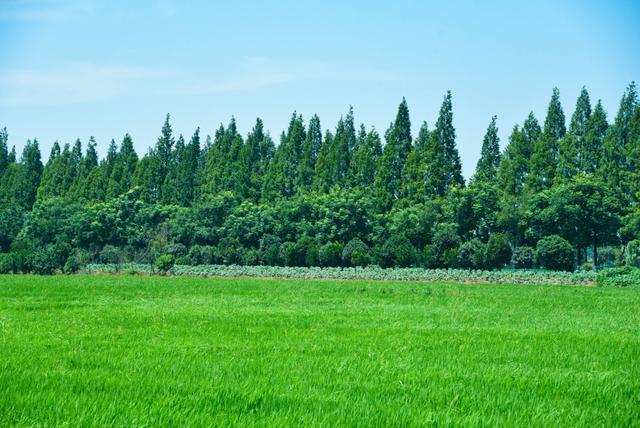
point(229, 199)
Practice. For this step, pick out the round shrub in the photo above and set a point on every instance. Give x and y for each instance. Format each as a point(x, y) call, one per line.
point(355, 253)
point(269, 250)
point(330, 254)
point(398, 251)
point(556, 253)
point(471, 254)
point(523, 258)
point(164, 263)
point(498, 251)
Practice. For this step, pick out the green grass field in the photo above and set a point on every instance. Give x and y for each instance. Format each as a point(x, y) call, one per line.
point(154, 351)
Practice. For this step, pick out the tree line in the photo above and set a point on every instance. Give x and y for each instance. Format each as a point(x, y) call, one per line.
point(558, 196)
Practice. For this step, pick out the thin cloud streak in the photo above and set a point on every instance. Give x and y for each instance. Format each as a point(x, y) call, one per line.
point(85, 83)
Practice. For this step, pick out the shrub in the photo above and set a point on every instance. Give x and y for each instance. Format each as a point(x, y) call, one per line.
point(111, 254)
point(201, 255)
point(398, 251)
point(619, 277)
point(429, 258)
point(45, 261)
point(229, 251)
point(523, 258)
point(632, 255)
point(587, 267)
point(6, 263)
point(164, 263)
point(556, 253)
point(77, 260)
point(330, 254)
point(269, 250)
point(471, 254)
point(498, 251)
point(291, 255)
point(355, 253)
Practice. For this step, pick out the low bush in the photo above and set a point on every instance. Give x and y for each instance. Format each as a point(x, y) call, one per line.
point(398, 251)
point(498, 251)
point(523, 258)
point(619, 277)
point(556, 253)
point(330, 254)
point(471, 254)
point(164, 263)
point(356, 253)
point(632, 254)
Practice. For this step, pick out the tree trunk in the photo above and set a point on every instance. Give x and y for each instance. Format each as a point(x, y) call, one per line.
point(595, 251)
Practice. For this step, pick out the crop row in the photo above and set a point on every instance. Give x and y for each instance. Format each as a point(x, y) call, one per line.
point(369, 273)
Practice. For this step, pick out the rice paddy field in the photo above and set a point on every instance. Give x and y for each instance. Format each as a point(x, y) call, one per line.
point(117, 350)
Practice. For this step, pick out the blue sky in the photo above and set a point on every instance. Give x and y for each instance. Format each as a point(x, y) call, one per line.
point(71, 69)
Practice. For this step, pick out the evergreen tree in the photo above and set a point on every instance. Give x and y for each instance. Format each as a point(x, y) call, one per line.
point(489, 162)
point(594, 140)
point(164, 152)
point(445, 133)
point(29, 179)
point(322, 178)
point(365, 159)
point(123, 169)
point(615, 166)
point(515, 161)
point(573, 146)
point(415, 175)
point(545, 156)
point(4, 152)
point(388, 182)
point(309, 154)
point(282, 178)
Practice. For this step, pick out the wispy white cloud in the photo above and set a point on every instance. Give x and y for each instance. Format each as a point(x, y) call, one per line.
point(44, 10)
point(83, 83)
point(75, 83)
point(256, 73)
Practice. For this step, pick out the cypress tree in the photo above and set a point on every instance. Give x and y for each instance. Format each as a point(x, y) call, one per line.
point(123, 168)
point(445, 135)
point(415, 170)
point(322, 178)
point(365, 159)
point(545, 156)
point(594, 140)
point(388, 182)
point(309, 153)
point(573, 146)
point(616, 147)
point(4, 152)
point(489, 162)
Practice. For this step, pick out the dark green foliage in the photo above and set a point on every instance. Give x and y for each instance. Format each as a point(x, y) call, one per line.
point(632, 254)
point(446, 242)
point(164, 263)
point(398, 251)
point(497, 252)
point(555, 253)
point(489, 162)
point(471, 254)
point(356, 253)
point(523, 258)
point(619, 277)
point(330, 254)
point(335, 200)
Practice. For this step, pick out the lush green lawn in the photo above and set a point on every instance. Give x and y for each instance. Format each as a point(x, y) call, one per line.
point(142, 351)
